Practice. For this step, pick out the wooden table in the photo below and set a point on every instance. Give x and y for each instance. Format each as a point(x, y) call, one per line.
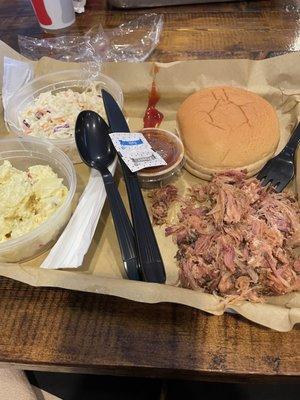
point(60, 330)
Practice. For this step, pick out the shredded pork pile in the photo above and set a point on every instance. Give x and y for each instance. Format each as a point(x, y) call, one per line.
point(235, 238)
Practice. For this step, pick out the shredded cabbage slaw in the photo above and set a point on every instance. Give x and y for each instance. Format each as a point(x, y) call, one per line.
point(53, 115)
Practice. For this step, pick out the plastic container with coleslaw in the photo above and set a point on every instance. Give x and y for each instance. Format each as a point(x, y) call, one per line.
point(47, 107)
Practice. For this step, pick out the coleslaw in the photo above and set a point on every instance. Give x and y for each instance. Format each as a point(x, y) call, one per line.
point(53, 115)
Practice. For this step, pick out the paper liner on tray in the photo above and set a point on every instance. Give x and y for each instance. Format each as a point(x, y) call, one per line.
point(276, 79)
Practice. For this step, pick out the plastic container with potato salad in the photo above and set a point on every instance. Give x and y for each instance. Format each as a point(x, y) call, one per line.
point(23, 153)
point(77, 80)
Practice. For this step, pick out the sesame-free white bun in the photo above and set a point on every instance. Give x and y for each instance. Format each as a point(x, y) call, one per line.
point(226, 128)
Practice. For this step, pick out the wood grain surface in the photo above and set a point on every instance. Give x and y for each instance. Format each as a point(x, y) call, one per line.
point(54, 329)
point(255, 29)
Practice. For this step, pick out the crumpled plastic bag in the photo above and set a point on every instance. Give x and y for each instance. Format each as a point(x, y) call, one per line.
point(132, 41)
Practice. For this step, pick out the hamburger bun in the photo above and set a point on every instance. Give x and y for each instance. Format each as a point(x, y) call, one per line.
point(225, 128)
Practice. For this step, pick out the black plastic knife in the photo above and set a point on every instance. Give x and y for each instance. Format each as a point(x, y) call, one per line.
point(148, 251)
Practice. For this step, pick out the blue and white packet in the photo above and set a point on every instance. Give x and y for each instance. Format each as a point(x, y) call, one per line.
point(136, 151)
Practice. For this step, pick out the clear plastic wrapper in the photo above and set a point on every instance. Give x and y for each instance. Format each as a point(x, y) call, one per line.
point(79, 6)
point(135, 40)
point(132, 41)
point(86, 48)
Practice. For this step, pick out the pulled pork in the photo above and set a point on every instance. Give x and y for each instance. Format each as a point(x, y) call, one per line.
point(235, 238)
point(161, 200)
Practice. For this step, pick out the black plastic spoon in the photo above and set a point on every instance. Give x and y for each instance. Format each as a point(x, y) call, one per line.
point(97, 151)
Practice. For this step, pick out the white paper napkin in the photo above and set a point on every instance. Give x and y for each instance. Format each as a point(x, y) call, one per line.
point(74, 242)
point(15, 75)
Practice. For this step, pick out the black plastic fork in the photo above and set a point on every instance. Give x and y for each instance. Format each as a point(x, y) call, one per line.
point(280, 170)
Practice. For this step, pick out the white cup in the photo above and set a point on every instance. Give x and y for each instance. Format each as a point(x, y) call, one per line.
point(54, 14)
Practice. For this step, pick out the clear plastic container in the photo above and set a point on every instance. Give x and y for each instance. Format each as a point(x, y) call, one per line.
point(22, 154)
point(171, 149)
point(76, 80)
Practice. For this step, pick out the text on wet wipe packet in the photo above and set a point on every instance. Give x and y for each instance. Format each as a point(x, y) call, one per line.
point(136, 151)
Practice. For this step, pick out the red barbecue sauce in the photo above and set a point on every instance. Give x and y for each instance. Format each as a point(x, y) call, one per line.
point(166, 146)
point(152, 117)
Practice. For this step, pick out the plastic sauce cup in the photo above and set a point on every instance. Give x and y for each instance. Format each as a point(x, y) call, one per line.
point(171, 149)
